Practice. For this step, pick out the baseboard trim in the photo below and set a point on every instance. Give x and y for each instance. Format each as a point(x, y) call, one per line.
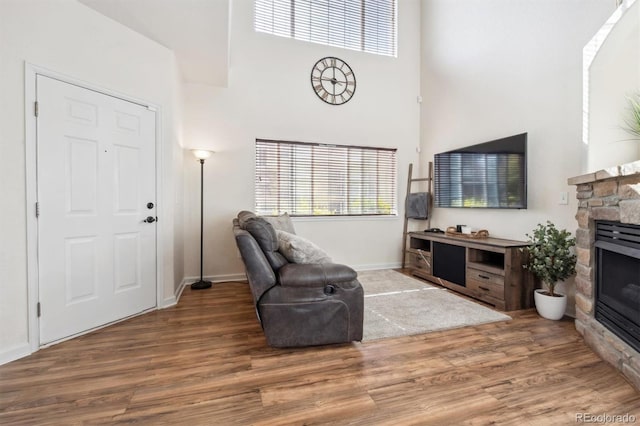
point(15, 353)
point(173, 299)
point(187, 281)
point(375, 266)
point(217, 278)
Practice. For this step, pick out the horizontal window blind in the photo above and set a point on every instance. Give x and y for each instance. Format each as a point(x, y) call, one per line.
point(306, 179)
point(480, 180)
point(364, 25)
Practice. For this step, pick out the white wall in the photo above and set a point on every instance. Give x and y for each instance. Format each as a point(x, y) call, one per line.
point(270, 96)
point(71, 39)
point(494, 68)
point(613, 75)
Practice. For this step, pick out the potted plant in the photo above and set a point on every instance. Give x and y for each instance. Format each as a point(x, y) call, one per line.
point(551, 259)
point(632, 123)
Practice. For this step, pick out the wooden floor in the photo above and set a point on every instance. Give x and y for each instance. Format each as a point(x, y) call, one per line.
point(205, 361)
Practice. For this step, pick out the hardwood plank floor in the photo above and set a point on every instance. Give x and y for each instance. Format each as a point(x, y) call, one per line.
point(205, 361)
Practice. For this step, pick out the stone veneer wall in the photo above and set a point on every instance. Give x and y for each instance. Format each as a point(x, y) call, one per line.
point(611, 194)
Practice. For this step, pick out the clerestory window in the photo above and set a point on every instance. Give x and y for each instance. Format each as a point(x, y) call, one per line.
point(364, 25)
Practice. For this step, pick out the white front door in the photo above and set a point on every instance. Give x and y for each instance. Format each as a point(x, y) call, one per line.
point(96, 186)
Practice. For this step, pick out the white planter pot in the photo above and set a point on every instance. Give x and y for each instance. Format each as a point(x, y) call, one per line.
point(550, 307)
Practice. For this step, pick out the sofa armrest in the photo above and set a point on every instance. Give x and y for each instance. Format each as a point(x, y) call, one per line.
point(315, 274)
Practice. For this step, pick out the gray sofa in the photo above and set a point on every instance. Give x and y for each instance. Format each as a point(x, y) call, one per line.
point(297, 304)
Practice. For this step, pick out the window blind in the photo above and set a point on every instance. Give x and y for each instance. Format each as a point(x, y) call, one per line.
point(364, 25)
point(307, 179)
point(465, 179)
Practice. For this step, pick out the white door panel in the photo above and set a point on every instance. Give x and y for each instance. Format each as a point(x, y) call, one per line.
point(96, 174)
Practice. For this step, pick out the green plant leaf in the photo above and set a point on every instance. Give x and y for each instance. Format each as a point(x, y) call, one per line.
point(551, 256)
point(632, 122)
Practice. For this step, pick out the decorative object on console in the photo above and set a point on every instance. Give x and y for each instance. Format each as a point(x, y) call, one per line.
point(551, 259)
point(201, 155)
point(453, 231)
point(434, 230)
point(333, 80)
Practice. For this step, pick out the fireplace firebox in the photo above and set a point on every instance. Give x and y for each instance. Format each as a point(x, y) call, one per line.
point(618, 279)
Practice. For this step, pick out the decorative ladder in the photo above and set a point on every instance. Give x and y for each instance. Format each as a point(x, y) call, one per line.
point(411, 180)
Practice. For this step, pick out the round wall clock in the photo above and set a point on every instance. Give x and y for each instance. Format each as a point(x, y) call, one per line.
point(333, 80)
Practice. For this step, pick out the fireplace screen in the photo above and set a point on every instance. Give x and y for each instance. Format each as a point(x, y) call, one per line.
point(618, 279)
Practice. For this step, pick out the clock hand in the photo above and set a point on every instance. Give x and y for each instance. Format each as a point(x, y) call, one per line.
point(332, 80)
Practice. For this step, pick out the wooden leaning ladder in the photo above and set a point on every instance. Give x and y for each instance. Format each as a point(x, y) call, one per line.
point(411, 180)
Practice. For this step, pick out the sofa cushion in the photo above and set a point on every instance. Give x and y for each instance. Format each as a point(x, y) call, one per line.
point(300, 250)
point(281, 223)
point(262, 231)
point(244, 216)
point(264, 234)
point(315, 275)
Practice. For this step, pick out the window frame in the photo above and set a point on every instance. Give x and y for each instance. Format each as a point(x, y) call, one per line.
point(369, 35)
point(386, 186)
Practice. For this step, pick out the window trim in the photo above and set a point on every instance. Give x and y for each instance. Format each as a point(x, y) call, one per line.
point(361, 30)
point(350, 216)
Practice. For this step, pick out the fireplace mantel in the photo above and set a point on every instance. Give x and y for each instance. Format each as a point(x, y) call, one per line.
point(625, 170)
point(611, 194)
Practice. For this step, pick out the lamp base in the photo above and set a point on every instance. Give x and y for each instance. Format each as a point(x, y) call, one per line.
point(201, 285)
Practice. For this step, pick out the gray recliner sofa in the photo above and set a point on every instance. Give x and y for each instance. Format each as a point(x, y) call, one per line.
point(297, 304)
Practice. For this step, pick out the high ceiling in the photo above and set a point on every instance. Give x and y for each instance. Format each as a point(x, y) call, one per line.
point(196, 30)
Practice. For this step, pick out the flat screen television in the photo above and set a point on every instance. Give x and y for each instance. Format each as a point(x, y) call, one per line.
point(488, 175)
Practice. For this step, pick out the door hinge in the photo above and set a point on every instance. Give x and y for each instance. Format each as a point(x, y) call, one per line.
point(37, 209)
point(38, 309)
point(35, 109)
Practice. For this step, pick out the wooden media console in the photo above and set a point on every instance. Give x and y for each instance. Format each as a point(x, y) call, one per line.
point(487, 269)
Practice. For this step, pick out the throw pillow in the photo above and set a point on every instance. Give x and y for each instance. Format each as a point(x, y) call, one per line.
point(300, 250)
point(282, 223)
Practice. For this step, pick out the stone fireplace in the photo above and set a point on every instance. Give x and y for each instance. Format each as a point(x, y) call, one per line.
point(606, 198)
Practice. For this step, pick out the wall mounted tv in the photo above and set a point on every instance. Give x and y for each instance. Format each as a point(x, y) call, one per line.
point(488, 175)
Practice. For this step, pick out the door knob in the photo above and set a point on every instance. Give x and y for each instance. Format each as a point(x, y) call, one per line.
point(150, 219)
point(149, 206)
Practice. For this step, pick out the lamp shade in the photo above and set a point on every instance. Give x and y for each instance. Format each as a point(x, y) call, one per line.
point(201, 154)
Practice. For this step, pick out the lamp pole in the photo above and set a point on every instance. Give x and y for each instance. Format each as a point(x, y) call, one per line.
point(201, 155)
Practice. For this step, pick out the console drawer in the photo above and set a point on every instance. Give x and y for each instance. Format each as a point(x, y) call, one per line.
point(484, 277)
point(417, 261)
point(485, 288)
point(485, 283)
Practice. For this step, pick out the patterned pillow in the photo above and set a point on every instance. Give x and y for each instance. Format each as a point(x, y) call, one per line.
point(300, 250)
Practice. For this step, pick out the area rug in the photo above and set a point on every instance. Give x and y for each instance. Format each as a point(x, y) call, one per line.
point(398, 305)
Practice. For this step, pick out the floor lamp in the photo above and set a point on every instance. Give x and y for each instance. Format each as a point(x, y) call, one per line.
point(201, 155)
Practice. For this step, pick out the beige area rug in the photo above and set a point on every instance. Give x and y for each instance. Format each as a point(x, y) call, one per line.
point(398, 305)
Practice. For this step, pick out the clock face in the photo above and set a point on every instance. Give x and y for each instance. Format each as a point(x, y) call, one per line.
point(333, 80)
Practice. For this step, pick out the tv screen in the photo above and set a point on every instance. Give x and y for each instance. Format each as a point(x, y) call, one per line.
point(488, 175)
